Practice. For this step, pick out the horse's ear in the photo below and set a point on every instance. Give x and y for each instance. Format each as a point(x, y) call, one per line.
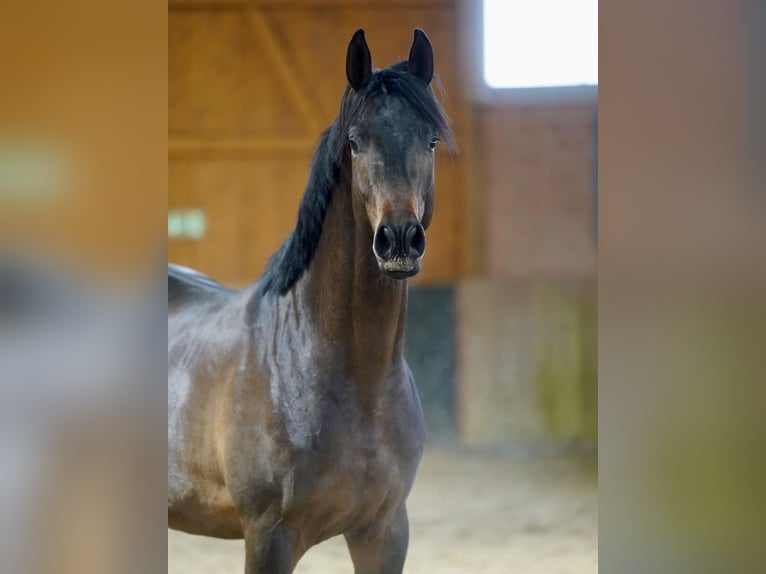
point(358, 61)
point(421, 60)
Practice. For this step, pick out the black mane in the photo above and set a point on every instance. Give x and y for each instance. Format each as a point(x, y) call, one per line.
point(288, 264)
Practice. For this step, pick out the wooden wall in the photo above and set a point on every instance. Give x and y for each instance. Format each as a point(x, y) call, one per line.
point(251, 86)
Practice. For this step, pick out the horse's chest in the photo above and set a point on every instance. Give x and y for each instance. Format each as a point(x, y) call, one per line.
point(349, 465)
point(349, 491)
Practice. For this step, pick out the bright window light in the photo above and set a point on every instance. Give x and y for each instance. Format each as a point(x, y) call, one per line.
point(540, 43)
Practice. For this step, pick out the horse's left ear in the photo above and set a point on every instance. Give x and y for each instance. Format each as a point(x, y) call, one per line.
point(358, 61)
point(421, 60)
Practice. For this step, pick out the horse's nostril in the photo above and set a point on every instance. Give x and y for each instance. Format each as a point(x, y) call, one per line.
point(383, 243)
point(415, 239)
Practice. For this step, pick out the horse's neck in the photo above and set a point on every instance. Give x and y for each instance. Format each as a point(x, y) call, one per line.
point(355, 306)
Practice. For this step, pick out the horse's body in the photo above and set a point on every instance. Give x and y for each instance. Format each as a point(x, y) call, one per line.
point(292, 414)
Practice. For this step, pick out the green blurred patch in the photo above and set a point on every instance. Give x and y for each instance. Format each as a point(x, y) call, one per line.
point(708, 468)
point(567, 369)
point(30, 172)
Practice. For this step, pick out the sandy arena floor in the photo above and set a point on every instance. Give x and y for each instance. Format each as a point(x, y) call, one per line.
point(488, 513)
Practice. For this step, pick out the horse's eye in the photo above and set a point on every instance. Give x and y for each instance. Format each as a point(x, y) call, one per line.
point(354, 146)
point(432, 143)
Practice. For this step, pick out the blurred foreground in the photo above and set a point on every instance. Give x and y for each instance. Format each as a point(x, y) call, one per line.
point(81, 411)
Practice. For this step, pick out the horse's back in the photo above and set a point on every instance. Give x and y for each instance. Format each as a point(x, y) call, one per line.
point(186, 284)
point(205, 343)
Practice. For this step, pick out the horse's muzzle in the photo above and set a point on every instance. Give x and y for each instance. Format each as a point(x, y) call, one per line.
point(399, 248)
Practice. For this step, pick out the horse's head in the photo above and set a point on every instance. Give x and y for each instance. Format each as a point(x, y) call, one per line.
point(391, 134)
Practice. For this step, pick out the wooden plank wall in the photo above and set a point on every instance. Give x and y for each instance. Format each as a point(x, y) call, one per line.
point(251, 86)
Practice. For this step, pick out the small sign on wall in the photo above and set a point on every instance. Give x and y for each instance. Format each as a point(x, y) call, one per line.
point(188, 224)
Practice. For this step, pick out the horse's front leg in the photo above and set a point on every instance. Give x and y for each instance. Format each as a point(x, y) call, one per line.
point(269, 549)
point(381, 549)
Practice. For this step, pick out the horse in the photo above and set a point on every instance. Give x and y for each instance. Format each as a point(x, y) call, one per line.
point(293, 416)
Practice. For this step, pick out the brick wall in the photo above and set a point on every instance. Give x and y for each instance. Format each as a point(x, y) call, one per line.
point(526, 352)
point(526, 363)
point(536, 168)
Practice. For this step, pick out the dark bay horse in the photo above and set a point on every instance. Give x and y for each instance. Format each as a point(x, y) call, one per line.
point(292, 414)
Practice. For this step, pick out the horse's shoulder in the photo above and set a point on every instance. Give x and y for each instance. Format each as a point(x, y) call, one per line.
point(184, 282)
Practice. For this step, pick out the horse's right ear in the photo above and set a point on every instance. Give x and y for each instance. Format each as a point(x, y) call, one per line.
point(358, 61)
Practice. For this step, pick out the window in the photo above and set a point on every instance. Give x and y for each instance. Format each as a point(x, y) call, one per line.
point(540, 43)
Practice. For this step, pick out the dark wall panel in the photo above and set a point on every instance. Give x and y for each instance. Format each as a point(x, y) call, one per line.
point(430, 352)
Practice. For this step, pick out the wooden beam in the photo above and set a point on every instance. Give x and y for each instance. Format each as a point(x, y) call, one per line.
point(224, 4)
point(206, 4)
point(178, 147)
point(284, 67)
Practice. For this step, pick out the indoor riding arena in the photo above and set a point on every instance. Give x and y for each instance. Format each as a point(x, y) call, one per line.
point(501, 320)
